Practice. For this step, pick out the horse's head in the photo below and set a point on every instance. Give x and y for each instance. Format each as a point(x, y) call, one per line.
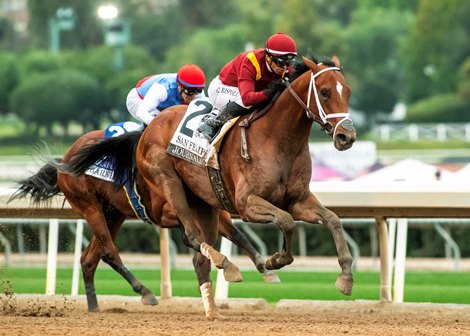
point(329, 93)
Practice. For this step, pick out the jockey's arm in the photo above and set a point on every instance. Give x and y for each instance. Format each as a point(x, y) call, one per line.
point(248, 94)
point(148, 107)
point(246, 85)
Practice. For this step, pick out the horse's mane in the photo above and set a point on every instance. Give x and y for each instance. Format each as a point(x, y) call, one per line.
point(299, 69)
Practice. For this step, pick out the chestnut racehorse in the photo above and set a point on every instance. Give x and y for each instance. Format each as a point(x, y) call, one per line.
point(105, 208)
point(269, 185)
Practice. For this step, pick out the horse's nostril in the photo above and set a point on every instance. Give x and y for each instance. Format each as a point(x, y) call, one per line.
point(341, 137)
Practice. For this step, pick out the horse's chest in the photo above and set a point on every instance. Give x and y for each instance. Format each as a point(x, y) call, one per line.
point(271, 189)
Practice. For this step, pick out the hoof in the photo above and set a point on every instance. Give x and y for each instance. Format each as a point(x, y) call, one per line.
point(93, 310)
point(149, 300)
point(271, 263)
point(215, 316)
point(232, 273)
point(344, 285)
point(271, 277)
point(274, 262)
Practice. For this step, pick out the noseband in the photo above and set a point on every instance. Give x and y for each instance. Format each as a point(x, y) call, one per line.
point(322, 117)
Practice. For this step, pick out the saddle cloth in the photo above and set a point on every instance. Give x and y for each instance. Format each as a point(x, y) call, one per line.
point(190, 145)
point(104, 170)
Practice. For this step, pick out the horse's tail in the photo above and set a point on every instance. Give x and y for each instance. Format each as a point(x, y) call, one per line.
point(118, 151)
point(41, 186)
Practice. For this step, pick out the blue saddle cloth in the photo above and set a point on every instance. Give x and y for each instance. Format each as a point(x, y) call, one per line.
point(134, 199)
point(117, 129)
point(132, 191)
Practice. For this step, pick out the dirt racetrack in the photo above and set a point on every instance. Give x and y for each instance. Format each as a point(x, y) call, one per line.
point(64, 315)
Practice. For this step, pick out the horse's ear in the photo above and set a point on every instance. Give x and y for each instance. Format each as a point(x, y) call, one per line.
point(335, 59)
point(311, 64)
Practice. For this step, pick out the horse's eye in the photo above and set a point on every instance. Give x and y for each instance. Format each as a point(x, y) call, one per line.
point(325, 93)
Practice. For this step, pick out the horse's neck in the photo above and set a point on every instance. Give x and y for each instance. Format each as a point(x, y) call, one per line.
point(288, 122)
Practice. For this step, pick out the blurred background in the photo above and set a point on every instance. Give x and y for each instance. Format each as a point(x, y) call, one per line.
point(67, 66)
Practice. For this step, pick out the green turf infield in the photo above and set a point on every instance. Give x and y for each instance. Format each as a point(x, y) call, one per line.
point(436, 287)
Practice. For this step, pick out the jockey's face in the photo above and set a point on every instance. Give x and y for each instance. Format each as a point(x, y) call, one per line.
point(188, 94)
point(278, 70)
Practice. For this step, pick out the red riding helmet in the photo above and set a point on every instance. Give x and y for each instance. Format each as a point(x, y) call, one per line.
point(281, 44)
point(191, 75)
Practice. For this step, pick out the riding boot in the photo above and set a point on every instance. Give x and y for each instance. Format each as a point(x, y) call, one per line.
point(212, 126)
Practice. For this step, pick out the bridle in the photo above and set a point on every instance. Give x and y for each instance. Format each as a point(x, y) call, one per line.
point(322, 118)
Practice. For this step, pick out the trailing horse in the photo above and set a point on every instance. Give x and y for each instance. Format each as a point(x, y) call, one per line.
point(105, 207)
point(269, 183)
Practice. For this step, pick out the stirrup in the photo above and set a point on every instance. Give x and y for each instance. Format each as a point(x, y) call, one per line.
point(208, 131)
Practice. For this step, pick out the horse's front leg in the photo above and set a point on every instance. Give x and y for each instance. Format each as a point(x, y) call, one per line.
point(312, 211)
point(232, 233)
point(258, 210)
point(202, 266)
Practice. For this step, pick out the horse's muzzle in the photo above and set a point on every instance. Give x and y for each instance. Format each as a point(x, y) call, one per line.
point(345, 137)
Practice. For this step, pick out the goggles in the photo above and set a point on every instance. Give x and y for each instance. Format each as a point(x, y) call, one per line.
point(284, 60)
point(191, 91)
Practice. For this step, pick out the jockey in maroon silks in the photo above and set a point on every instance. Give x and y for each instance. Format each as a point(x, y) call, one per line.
point(244, 81)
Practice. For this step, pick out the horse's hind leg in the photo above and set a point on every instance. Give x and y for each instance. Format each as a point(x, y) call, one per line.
point(232, 233)
point(231, 272)
point(147, 296)
point(104, 235)
point(167, 180)
point(89, 261)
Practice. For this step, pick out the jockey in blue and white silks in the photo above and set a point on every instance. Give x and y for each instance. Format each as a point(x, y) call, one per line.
point(154, 93)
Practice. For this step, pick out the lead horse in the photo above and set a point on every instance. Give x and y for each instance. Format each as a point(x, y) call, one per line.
point(105, 207)
point(271, 185)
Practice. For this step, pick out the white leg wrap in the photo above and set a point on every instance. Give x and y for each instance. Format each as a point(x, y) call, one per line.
point(205, 251)
point(207, 298)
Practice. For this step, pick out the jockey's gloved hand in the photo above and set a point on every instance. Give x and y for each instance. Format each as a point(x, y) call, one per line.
point(270, 92)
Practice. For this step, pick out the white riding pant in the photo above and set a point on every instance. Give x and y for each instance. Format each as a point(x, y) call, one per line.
point(220, 94)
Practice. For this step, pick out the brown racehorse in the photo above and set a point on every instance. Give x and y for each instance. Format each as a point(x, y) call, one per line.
point(272, 185)
point(105, 208)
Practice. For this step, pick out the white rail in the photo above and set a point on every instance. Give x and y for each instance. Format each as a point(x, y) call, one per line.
point(348, 200)
point(422, 131)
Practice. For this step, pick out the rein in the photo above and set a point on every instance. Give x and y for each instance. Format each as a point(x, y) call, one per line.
point(245, 124)
point(321, 118)
point(294, 94)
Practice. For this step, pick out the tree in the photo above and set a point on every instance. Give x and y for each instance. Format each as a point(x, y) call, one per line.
point(39, 62)
point(207, 13)
point(437, 45)
point(401, 5)
point(335, 10)
point(445, 107)
point(58, 97)
point(115, 83)
point(304, 29)
point(8, 35)
point(373, 46)
point(464, 80)
point(86, 32)
point(209, 49)
point(9, 79)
